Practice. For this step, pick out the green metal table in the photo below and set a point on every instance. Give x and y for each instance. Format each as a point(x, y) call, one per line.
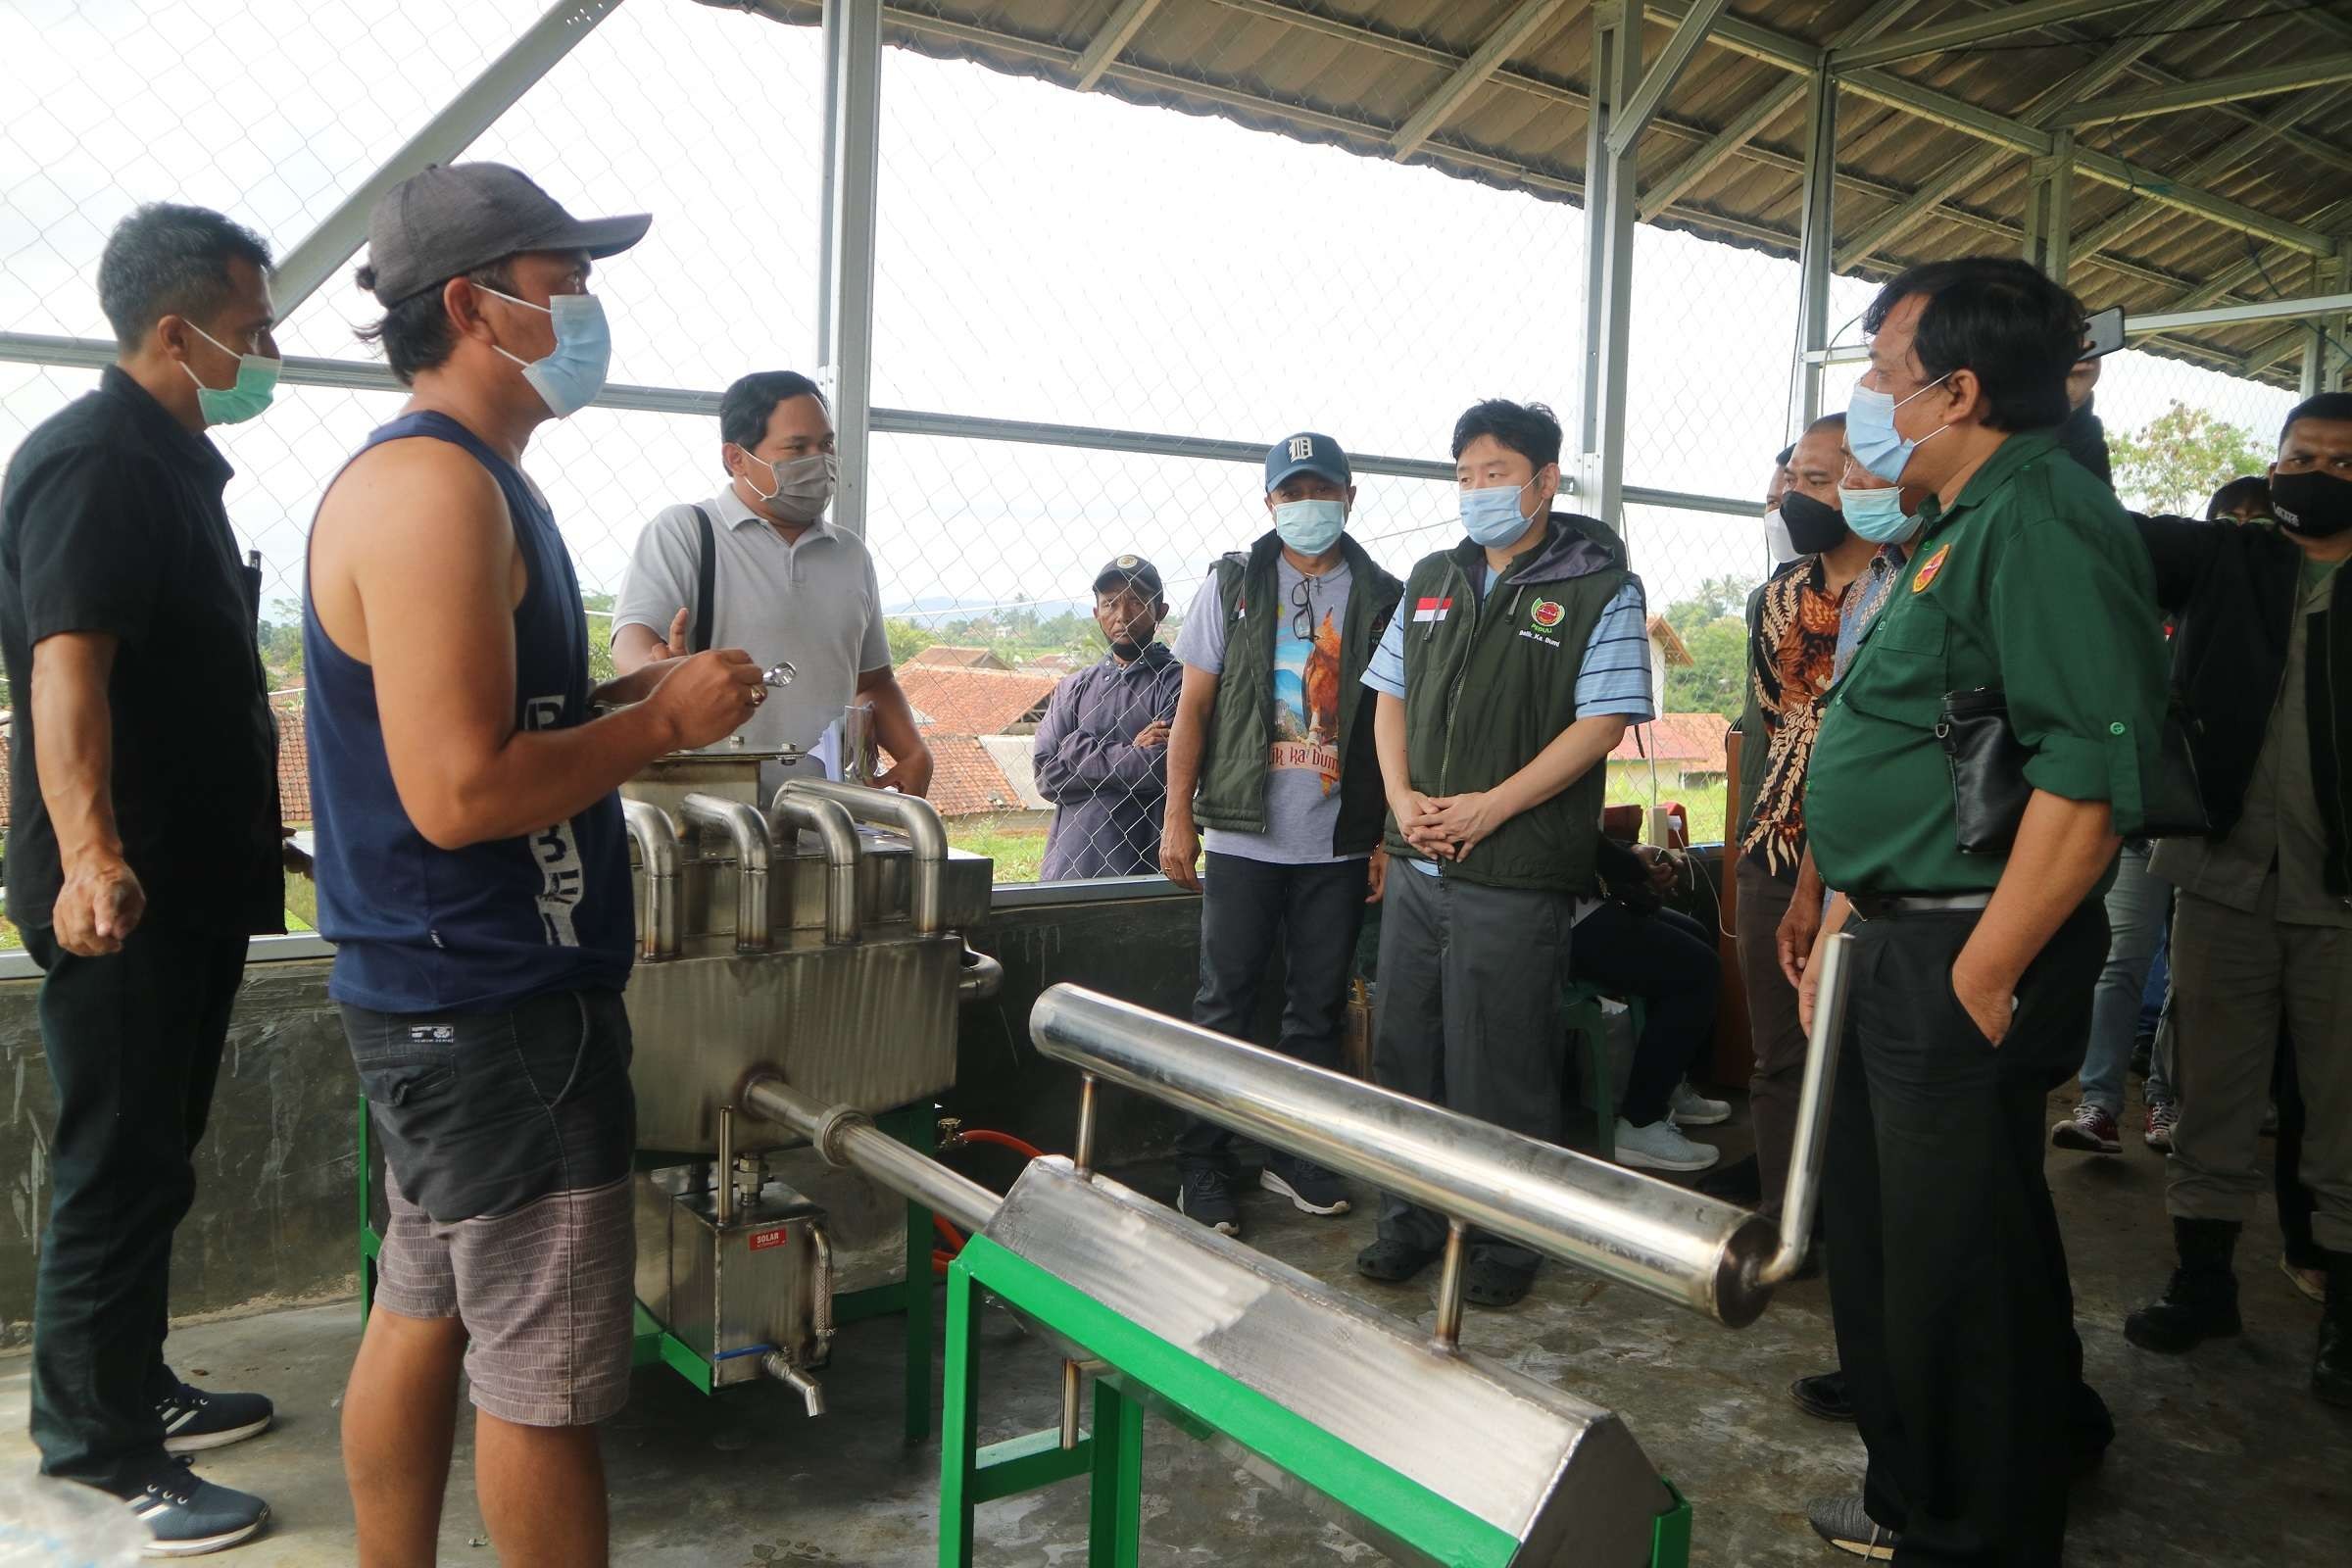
point(1202, 1403)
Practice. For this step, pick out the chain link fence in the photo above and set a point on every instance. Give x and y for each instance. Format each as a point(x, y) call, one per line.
point(1045, 257)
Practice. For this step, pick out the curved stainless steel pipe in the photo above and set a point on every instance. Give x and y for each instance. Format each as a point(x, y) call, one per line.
point(1664, 1239)
point(911, 815)
point(982, 977)
point(833, 824)
point(848, 1139)
point(742, 821)
point(658, 848)
point(1802, 1194)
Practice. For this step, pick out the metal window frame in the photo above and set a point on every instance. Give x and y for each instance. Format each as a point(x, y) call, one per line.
point(319, 255)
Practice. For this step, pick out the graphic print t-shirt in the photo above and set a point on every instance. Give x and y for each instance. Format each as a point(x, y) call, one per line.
point(1303, 779)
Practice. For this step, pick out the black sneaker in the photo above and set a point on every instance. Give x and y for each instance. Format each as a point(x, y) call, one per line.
point(1206, 1192)
point(194, 1420)
point(1841, 1522)
point(1310, 1187)
point(1740, 1182)
point(1392, 1262)
point(189, 1517)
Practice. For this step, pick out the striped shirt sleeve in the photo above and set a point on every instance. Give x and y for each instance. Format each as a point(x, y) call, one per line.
point(1385, 671)
point(1616, 677)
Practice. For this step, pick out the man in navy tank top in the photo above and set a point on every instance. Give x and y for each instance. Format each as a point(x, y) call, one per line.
point(473, 873)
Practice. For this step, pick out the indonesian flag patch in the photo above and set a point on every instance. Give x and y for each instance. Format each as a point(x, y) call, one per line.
point(1433, 608)
point(1926, 574)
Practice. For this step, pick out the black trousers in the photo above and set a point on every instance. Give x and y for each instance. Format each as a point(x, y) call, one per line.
point(1947, 1274)
point(133, 1041)
point(1469, 1018)
point(1668, 959)
point(1316, 912)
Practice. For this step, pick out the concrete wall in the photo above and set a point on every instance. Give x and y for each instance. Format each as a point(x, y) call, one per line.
point(275, 1207)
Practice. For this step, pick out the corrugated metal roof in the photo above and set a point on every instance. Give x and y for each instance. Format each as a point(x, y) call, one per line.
point(1352, 71)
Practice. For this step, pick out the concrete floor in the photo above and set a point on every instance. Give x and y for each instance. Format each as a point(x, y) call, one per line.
point(2223, 1457)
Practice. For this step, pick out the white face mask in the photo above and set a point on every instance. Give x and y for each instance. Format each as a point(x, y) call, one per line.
point(804, 487)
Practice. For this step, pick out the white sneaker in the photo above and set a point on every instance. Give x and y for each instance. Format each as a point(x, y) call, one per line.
point(1691, 1109)
point(1661, 1147)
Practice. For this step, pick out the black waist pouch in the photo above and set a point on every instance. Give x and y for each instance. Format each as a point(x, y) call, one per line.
point(1988, 769)
point(2173, 801)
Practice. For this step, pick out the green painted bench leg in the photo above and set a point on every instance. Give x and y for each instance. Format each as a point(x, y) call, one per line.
point(1670, 1537)
point(1115, 1494)
point(958, 1421)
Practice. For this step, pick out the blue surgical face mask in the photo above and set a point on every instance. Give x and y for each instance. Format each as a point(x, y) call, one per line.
point(1877, 515)
point(1870, 435)
point(1492, 517)
point(256, 385)
point(568, 379)
point(1311, 527)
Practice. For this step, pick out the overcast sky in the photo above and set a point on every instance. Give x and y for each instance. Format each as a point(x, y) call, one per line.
point(1043, 254)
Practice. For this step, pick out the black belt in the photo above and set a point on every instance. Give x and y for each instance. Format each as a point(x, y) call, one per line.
point(1885, 905)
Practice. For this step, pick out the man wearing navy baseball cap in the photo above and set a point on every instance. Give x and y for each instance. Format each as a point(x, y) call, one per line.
point(1272, 754)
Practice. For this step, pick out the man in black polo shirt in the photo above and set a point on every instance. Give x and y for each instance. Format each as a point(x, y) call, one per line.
point(145, 847)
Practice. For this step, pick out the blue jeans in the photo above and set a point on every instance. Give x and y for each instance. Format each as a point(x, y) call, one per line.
point(2136, 910)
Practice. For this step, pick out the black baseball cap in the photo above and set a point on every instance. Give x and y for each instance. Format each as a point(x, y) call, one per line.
point(454, 218)
point(1130, 570)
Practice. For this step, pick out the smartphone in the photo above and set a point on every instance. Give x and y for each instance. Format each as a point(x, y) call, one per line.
point(2105, 332)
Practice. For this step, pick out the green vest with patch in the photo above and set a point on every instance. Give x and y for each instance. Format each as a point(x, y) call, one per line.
point(1236, 757)
point(1489, 685)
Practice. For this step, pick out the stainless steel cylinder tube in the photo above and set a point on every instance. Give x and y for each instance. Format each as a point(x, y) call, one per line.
point(1802, 1194)
point(656, 843)
point(838, 831)
point(909, 815)
point(850, 1140)
point(747, 829)
point(1664, 1239)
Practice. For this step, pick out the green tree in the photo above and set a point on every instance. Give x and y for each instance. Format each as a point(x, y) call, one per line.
point(1714, 599)
point(1715, 681)
point(2176, 461)
point(906, 639)
point(1713, 624)
point(600, 637)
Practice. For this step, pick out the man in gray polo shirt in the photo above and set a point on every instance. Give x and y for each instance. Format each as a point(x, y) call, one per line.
point(779, 581)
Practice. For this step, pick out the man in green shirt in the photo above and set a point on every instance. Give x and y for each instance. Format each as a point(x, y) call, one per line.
point(1973, 971)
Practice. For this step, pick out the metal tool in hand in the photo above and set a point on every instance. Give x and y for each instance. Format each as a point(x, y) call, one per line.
point(774, 677)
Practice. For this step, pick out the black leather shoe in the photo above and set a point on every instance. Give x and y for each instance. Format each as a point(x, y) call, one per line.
point(2332, 1367)
point(2201, 1302)
point(1824, 1397)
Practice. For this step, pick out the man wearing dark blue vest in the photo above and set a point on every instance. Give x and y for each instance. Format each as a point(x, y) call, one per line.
point(474, 875)
point(1517, 658)
point(1271, 752)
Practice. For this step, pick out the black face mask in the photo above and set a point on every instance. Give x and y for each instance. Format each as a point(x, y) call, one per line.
point(1813, 526)
point(2315, 504)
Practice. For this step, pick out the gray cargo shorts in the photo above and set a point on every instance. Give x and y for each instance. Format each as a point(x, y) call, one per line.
point(508, 1140)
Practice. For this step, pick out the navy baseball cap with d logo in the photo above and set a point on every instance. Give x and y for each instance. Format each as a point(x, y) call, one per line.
point(1306, 453)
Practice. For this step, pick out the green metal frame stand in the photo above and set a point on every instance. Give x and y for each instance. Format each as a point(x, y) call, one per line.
point(915, 1126)
point(1202, 1401)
